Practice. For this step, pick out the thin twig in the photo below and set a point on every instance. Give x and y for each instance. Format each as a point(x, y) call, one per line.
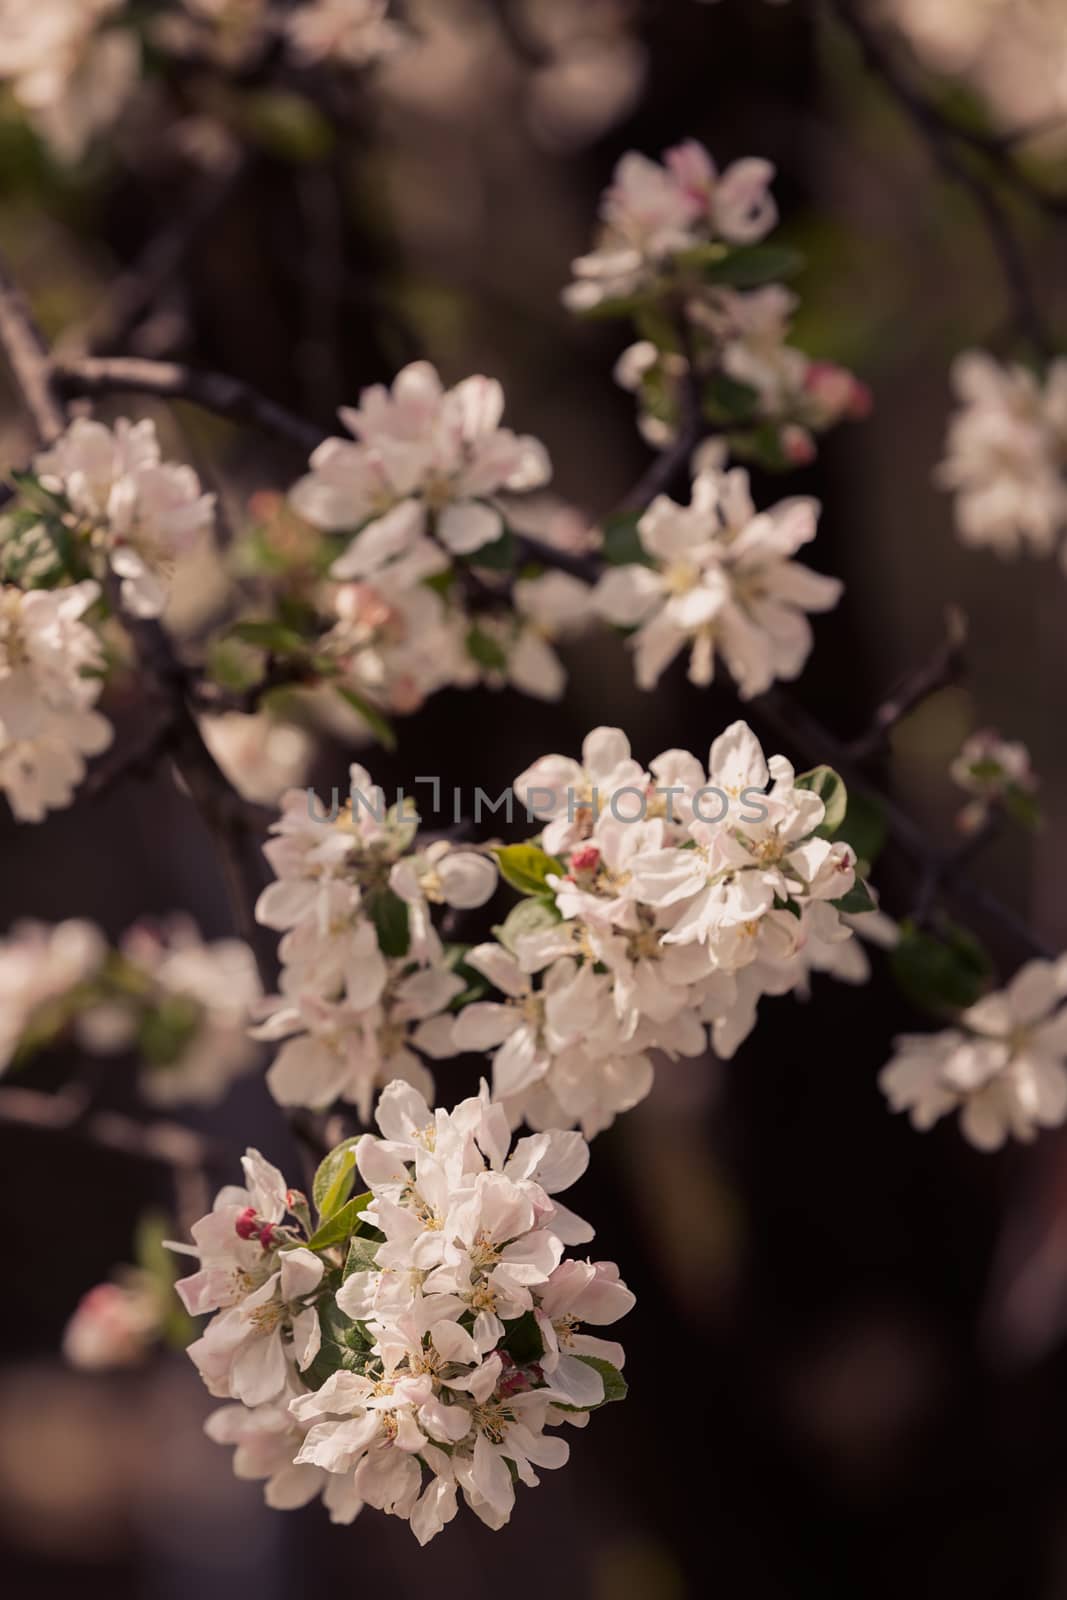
point(27, 354)
point(944, 667)
point(163, 1143)
point(941, 136)
point(211, 391)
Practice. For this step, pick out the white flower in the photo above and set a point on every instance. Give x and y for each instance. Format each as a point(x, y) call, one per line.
point(124, 499)
point(68, 70)
point(205, 995)
point(258, 1277)
point(1003, 1067)
point(114, 1325)
point(260, 756)
point(267, 1439)
point(41, 964)
point(336, 1051)
point(570, 794)
point(348, 33)
point(652, 212)
point(722, 580)
point(50, 662)
point(425, 461)
point(994, 770)
point(1005, 454)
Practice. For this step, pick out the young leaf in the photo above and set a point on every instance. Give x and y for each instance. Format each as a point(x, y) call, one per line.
point(268, 635)
point(527, 866)
point(390, 917)
point(622, 544)
point(525, 918)
point(864, 828)
point(342, 1225)
point(857, 900)
point(362, 1256)
point(615, 1385)
point(751, 265)
point(335, 1179)
point(831, 790)
point(484, 649)
point(940, 973)
point(380, 726)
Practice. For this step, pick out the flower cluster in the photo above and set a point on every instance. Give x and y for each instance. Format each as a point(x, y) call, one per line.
point(69, 69)
point(124, 506)
point(680, 255)
point(720, 580)
point(421, 494)
point(236, 33)
point(1006, 453)
point(366, 982)
point(652, 213)
point(995, 772)
point(115, 1324)
point(1003, 1068)
point(417, 1344)
point(673, 897)
point(181, 1006)
point(749, 374)
point(51, 663)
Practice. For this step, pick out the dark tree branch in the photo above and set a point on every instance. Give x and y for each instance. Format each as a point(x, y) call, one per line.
point(28, 358)
point(943, 138)
point(210, 391)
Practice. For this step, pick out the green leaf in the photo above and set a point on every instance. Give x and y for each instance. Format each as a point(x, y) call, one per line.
point(484, 649)
point(940, 973)
point(391, 921)
point(269, 635)
point(344, 1345)
point(831, 790)
point(864, 828)
point(335, 1178)
point(498, 556)
point(524, 1343)
point(528, 917)
point(288, 124)
point(1022, 807)
point(380, 726)
point(615, 1385)
point(342, 1225)
point(622, 542)
point(167, 1030)
point(856, 901)
point(751, 265)
point(727, 400)
point(362, 1256)
point(526, 867)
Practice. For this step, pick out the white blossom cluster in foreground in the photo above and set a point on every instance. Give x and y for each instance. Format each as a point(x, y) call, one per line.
point(1003, 1067)
point(680, 254)
point(720, 580)
point(1006, 456)
point(426, 1339)
point(181, 1006)
point(658, 901)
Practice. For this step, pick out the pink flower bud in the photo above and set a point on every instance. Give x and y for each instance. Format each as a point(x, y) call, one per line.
point(247, 1224)
point(797, 444)
point(266, 1235)
point(585, 859)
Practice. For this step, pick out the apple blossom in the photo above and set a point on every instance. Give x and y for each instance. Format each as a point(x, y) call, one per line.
point(1003, 1067)
point(721, 580)
point(121, 499)
point(69, 70)
point(423, 463)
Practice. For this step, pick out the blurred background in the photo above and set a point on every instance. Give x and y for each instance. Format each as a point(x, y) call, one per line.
point(847, 1364)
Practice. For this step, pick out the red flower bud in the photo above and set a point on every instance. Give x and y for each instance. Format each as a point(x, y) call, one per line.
point(247, 1223)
